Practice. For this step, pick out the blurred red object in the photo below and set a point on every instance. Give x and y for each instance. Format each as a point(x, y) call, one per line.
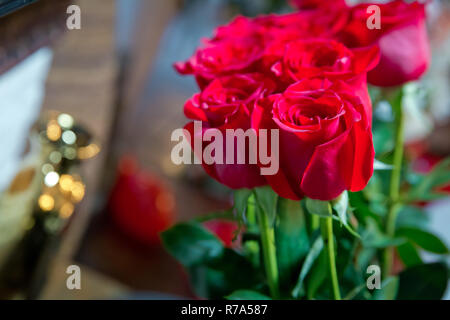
point(140, 204)
point(225, 230)
point(423, 161)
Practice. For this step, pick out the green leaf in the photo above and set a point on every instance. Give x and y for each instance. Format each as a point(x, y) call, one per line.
point(317, 275)
point(348, 228)
point(408, 254)
point(411, 216)
point(267, 201)
point(191, 244)
point(313, 253)
point(354, 292)
point(240, 201)
point(207, 283)
point(318, 207)
point(361, 207)
point(423, 282)
point(388, 291)
point(292, 241)
point(247, 295)
point(424, 239)
point(231, 272)
point(341, 206)
point(440, 175)
point(427, 197)
point(364, 258)
point(374, 238)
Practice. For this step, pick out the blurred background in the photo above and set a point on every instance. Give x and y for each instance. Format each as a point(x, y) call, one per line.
point(85, 123)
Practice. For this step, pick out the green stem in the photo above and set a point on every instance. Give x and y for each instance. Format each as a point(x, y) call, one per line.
point(327, 234)
point(394, 189)
point(315, 222)
point(269, 252)
point(251, 218)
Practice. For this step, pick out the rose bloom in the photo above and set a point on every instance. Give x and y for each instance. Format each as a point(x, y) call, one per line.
point(226, 103)
point(224, 57)
point(285, 27)
point(314, 4)
point(402, 39)
point(324, 58)
point(266, 28)
point(240, 46)
point(325, 139)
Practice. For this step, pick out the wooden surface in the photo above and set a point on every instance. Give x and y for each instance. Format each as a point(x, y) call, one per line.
point(27, 30)
point(82, 82)
point(145, 120)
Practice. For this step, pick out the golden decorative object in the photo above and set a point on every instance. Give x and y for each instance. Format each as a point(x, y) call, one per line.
point(46, 202)
point(65, 143)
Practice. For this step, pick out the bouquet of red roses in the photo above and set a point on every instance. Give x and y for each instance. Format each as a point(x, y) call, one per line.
point(305, 76)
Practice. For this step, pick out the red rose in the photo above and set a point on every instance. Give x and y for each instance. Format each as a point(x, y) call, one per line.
point(403, 41)
point(240, 27)
point(325, 137)
point(324, 58)
point(280, 22)
point(309, 24)
point(267, 28)
point(239, 46)
point(314, 4)
point(224, 57)
point(226, 103)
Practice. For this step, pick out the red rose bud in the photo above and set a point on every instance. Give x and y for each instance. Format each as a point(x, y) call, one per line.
point(402, 39)
point(140, 204)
